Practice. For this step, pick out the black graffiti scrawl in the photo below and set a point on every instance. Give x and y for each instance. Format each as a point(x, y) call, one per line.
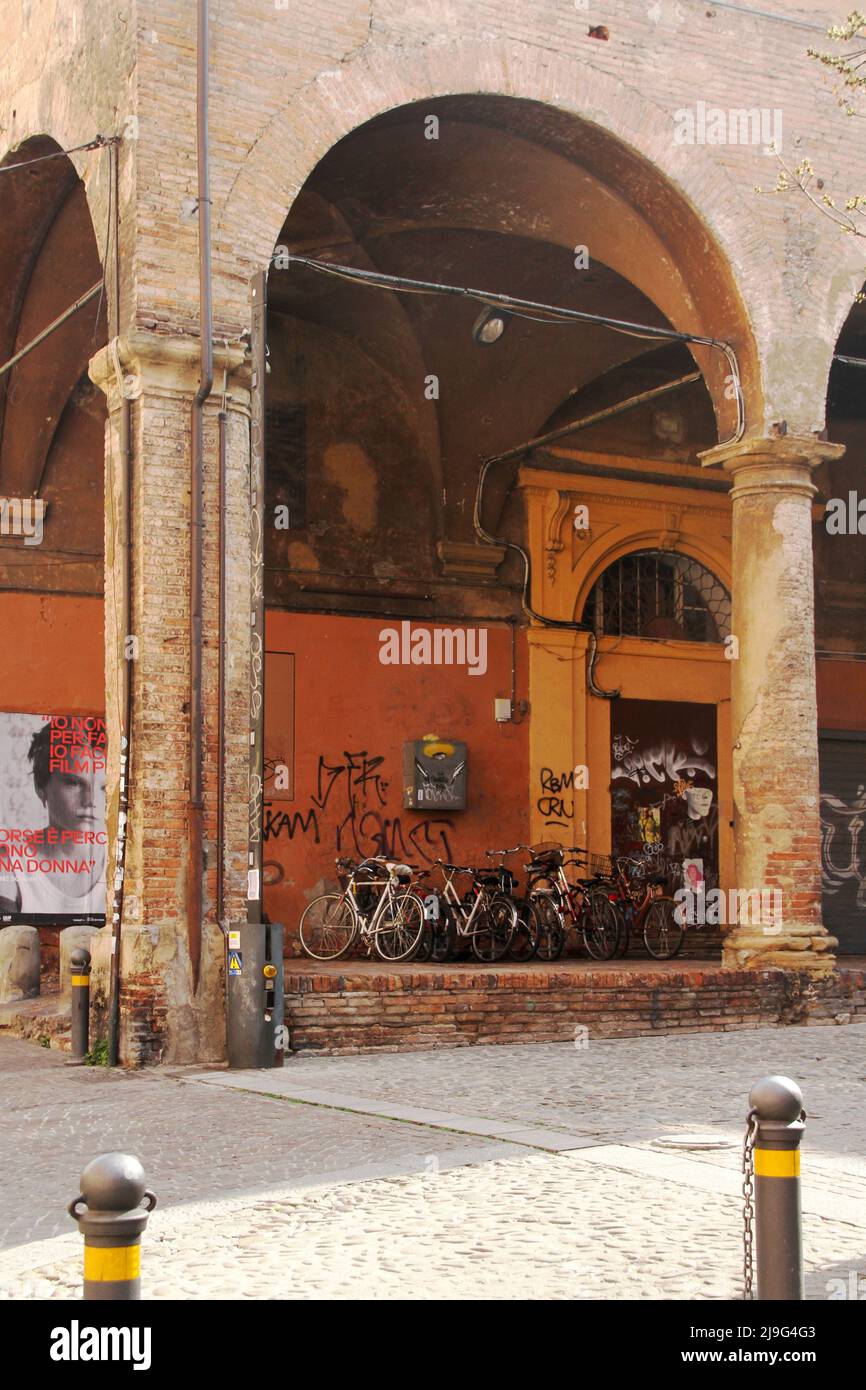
point(348, 809)
point(664, 784)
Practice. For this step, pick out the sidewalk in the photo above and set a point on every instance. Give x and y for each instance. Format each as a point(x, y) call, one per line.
point(546, 1171)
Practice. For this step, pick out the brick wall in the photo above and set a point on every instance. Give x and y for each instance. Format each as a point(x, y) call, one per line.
point(361, 1012)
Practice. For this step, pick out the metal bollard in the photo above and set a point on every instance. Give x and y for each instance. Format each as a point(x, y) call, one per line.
point(776, 1105)
point(80, 1005)
point(111, 1221)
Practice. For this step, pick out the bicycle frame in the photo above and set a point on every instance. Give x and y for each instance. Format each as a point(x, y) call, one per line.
point(463, 919)
point(573, 898)
point(368, 922)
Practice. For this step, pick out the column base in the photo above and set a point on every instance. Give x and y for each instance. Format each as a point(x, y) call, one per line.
point(811, 950)
point(161, 1019)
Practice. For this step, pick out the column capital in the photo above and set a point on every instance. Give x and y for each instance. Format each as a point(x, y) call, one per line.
point(772, 450)
point(159, 364)
point(772, 463)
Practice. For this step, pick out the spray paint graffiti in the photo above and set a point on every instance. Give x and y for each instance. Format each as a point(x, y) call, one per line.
point(349, 804)
point(660, 762)
point(663, 785)
point(843, 846)
point(556, 809)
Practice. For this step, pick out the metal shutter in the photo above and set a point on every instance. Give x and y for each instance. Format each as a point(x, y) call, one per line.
point(842, 759)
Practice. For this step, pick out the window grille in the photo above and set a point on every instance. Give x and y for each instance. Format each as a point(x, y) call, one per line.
point(659, 594)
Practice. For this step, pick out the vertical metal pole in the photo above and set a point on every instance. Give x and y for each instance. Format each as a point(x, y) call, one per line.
point(221, 680)
point(124, 543)
point(195, 808)
point(778, 1105)
point(79, 1009)
point(258, 298)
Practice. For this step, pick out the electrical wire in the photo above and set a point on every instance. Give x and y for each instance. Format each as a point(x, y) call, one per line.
point(537, 312)
point(493, 300)
point(95, 144)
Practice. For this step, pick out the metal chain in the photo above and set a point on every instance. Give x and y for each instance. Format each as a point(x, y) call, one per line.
point(748, 1209)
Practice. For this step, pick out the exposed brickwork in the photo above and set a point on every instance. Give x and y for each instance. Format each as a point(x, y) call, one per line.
point(361, 1012)
point(286, 84)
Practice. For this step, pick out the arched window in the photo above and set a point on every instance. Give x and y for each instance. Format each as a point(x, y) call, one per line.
point(658, 593)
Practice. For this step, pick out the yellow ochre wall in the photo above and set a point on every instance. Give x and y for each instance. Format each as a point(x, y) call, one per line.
point(569, 727)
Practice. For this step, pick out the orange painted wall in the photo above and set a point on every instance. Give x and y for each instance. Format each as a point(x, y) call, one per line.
point(841, 694)
point(53, 654)
point(346, 702)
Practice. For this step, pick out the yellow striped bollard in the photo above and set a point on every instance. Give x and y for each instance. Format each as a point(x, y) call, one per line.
point(776, 1105)
point(111, 1219)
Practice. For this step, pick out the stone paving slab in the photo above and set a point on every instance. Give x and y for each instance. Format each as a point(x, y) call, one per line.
point(267, 1194)
point(195, 1142)
point(543, 1226)
point(621, 1088)
point(280, 1083)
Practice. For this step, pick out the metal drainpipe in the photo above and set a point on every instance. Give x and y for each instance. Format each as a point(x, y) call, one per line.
point(125, 511)
point(195, 866)
point(221, 686)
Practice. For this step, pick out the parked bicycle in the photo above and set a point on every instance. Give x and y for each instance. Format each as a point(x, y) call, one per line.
point(484, 916)
point(584, 906)
point(644, 906)
point(377, 906)
point(527, 932)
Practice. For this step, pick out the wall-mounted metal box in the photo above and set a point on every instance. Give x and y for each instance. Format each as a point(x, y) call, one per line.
point(434, 774)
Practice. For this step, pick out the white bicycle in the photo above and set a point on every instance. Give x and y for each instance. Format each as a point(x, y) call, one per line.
point(377, 906)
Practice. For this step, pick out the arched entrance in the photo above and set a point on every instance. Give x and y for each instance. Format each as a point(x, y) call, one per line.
point(840, 641)
point(53, 316)
point(382, 407)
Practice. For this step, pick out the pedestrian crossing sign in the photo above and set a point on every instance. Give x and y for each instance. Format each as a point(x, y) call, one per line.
point(236, 963)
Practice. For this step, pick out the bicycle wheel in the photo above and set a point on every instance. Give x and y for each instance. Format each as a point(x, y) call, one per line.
point(662, 933)
point(496, 922)
point(444, 935)
point(601, 925)
point(424, 949)
point(625, 917)
point(524, 942)
point(552, 931)
point(401, 927)
point(328, 927)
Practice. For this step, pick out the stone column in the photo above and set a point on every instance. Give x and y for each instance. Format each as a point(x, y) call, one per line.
point(774, 712)
point(165, 1016)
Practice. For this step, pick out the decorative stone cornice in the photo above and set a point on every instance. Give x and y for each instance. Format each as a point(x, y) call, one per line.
point(469, 561)
point(154, 363)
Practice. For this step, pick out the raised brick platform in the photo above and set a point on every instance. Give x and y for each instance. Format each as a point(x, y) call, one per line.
point(358, 1006)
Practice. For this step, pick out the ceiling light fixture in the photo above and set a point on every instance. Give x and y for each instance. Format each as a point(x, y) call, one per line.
point(489, 326)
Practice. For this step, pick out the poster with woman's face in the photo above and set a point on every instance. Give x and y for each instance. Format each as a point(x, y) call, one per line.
point(52, 819)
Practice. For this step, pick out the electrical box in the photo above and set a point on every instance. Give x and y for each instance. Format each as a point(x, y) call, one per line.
point(256, 1023)
point(434, 774)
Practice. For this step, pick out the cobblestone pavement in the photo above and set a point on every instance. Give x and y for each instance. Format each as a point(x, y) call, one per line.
point(547, 1171)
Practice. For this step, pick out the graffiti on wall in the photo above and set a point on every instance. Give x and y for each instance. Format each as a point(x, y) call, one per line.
point(556, 802)
point(843, 845)
point(664, 784)
point(347, 811)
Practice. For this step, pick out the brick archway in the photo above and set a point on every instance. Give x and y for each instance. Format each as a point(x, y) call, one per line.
point(709, 209)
